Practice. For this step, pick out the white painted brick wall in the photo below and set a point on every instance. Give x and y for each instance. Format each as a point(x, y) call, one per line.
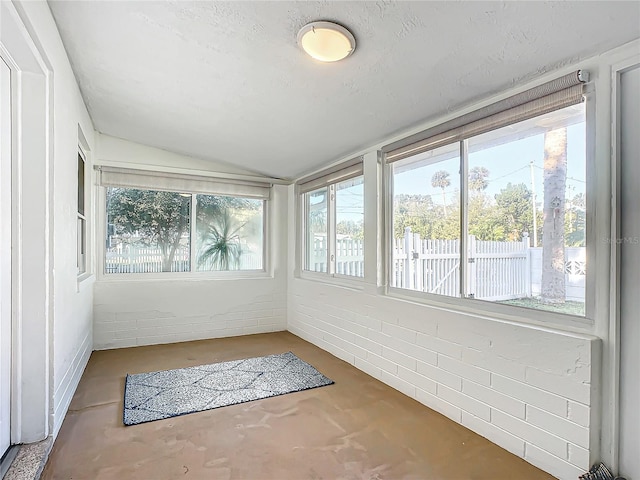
point(498, 436)
point(527, 389)
point(490, 396)
point(151, 312)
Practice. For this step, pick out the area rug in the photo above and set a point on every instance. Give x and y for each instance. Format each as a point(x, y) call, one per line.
point(169, 393)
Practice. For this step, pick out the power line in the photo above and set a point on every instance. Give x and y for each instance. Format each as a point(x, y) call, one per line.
point(568, 178)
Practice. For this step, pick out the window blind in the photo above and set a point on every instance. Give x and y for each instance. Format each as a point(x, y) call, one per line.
point(173, 182)
point(554, 95)
point(345, 171)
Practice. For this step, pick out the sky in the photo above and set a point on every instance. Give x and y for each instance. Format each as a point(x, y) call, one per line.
point(508, 163)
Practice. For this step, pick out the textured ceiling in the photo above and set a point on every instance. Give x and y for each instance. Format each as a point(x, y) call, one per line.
point(225, 81)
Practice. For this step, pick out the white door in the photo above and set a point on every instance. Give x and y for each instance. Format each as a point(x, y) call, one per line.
point(5, 257)
point(630, 275)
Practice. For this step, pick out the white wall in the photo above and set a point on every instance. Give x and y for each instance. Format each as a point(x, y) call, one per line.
point(181, 307)
point(113, 150)
point(526, 381)
point(72, 303)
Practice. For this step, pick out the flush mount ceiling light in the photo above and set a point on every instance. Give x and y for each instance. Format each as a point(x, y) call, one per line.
point(326, 41)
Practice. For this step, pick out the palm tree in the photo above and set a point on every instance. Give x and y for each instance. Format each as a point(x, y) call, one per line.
point(441, 180)
point(221, 243)
point(478, 179)
point(555, 184)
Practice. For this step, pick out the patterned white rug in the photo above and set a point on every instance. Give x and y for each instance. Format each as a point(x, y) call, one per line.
point(169, 393)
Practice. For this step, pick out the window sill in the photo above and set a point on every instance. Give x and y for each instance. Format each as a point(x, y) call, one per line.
point(84, 279)
point(353, 283)
point(186, 276)
point(496, 311)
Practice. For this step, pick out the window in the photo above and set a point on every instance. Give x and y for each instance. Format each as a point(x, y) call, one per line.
point(229, 233)
point(155, 231)
point(494, 209)
point(148, 231)
point(81, 223)
point(333, 206)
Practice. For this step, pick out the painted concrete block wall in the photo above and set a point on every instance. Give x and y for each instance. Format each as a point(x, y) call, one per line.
point(138, 311)
point(70, 304)
point(146, 313)
point(525, 388)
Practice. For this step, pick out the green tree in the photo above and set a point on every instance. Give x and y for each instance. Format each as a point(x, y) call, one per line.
point(485, 223)
point(514, 208)
point(351, 228)
point(210, 206)
point(221, 243)
point(575, 221)
point(441, 180)
point(151, 217)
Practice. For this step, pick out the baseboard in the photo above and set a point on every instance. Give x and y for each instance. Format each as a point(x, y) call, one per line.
point(64, 393)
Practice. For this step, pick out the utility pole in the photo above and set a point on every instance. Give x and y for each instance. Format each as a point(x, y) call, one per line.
point(533, 205)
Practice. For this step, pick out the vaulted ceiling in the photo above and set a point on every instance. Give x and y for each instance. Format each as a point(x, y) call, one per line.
point(225, 81)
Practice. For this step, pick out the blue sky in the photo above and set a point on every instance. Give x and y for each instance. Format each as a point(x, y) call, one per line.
point(507, 163)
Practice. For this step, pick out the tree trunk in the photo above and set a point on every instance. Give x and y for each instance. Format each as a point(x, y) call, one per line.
point(444, 202)
point(555, 182)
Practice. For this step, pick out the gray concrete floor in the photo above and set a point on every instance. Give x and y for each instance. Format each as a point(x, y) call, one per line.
point(358, 428)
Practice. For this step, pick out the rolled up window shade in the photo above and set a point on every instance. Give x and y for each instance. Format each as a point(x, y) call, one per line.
point(340, 173)
point(172, 182)
point(554, 95)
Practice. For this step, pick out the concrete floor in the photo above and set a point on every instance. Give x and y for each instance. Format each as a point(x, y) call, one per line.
point(358, 428)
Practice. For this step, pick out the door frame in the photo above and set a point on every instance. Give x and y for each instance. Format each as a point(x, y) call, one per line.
point(614, 430)
point(6, 178)
point(32, 226)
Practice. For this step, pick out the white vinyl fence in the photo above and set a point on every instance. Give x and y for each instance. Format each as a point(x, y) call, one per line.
point(497, 271)
point(349, 256)
point(136, 259)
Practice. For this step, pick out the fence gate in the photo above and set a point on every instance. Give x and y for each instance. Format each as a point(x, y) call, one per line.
point(496, 270)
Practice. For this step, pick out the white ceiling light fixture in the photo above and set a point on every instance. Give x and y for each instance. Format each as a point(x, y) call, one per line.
point(326, 41)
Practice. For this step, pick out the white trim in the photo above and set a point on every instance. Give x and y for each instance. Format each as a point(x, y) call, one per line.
point(6, 226)
point(488, 309)
point(64, 393)
point(464, 217)
point(354, 283)
point(372, 212)
point(613, 359)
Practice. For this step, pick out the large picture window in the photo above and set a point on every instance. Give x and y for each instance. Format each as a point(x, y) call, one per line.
point(498, 216)
point(333, 222)
point(155, 231)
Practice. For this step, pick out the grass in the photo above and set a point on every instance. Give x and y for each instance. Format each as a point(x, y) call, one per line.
point(569, 308)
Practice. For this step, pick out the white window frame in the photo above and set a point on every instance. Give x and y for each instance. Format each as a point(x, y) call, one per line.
point(330, 185)
point(82, 223)
point(494, 309)
point(267, 267)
